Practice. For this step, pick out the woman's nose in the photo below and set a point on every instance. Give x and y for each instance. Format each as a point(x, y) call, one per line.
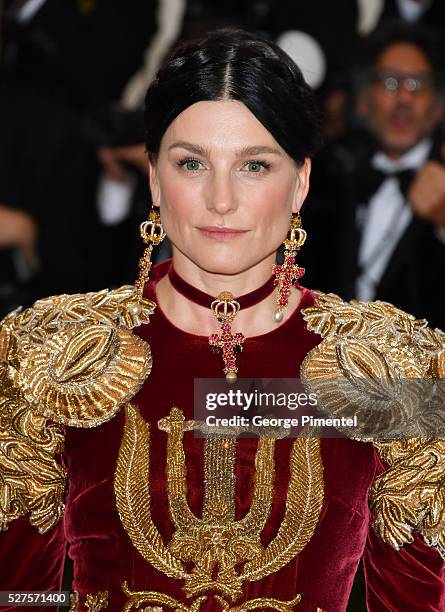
point(221, 197)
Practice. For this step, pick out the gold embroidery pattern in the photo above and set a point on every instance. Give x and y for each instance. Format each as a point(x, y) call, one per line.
point(216, 541)
point(97, 602)
point(356, 370)
point(93, 602)
point(74, 601)
point(81, 376)
point(132, 490)
point(71, 359)
point(303, 507)
point(219, 465)
point(77, 362)
point(411, 495)
point(31, 481)
point(372, 364)
point(138, 598)
point(135, 599)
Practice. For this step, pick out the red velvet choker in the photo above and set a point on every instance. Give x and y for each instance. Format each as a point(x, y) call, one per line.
point(205, 299)
point(225, 307)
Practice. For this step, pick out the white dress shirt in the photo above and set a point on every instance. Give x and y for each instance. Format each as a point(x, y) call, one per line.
point(385, 218)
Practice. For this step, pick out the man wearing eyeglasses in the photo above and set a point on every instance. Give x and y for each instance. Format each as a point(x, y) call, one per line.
point(386, 218)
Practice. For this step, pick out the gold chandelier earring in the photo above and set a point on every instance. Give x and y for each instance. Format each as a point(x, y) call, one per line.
point(289, 273)
point(152, 234)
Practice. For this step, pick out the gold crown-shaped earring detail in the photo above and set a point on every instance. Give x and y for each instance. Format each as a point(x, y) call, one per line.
point(152, 234)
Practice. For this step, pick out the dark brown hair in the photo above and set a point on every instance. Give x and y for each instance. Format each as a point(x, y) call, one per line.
point(236, 65)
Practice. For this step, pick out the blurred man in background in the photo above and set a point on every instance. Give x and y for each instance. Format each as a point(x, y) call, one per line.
point(381, 194)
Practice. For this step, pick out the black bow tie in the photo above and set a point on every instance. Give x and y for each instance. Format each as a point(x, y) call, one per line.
point(373, 178)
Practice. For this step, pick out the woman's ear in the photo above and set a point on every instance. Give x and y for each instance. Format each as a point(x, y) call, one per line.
point(153, 181)
point(301, 185)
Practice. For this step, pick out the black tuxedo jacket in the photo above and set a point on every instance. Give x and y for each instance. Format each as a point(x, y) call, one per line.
point(414, 278)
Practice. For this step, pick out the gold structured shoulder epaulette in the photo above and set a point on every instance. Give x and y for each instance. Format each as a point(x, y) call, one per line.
point(386, 368)
point(71, 359)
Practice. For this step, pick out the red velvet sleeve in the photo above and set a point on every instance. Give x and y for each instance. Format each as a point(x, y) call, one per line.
point(411, 579)
point(30, 561)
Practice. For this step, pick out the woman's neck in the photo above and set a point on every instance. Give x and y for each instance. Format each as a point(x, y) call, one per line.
point(196, 319)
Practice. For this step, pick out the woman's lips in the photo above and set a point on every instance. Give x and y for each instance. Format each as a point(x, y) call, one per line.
point(221, 233)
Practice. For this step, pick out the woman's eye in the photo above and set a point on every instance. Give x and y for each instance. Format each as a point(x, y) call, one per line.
point(257, 166)
point(192, 165)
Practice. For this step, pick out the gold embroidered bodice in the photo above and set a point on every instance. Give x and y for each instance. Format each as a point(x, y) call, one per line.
point(73, 360)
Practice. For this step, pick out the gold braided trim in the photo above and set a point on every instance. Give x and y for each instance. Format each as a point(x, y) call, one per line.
point(386, 367)
point(75, 358)
point(216, 541)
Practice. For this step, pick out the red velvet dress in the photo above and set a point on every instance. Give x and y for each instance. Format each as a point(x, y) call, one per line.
point(104, 556)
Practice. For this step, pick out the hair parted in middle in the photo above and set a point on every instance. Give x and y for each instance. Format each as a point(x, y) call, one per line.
point(233, 64)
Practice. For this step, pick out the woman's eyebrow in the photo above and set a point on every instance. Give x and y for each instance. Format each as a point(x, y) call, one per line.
point(193, 148)
point(257, 150)
point(200, 150)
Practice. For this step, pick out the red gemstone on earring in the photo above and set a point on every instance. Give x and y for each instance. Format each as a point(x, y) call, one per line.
point(286, 275)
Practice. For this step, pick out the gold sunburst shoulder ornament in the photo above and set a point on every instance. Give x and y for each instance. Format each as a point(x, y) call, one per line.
point(387, 368)
point(72, 359)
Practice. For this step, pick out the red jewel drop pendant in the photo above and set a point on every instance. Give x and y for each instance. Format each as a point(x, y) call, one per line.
point(225, 308)
point(288, 273)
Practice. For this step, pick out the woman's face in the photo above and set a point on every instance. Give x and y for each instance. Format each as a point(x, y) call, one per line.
point(225, 187)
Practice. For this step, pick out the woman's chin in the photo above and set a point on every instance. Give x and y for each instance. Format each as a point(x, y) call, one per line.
point(225, 259)
point(225, 264)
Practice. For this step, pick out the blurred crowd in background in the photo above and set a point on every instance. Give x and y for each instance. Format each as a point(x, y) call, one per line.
point(73, 185)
